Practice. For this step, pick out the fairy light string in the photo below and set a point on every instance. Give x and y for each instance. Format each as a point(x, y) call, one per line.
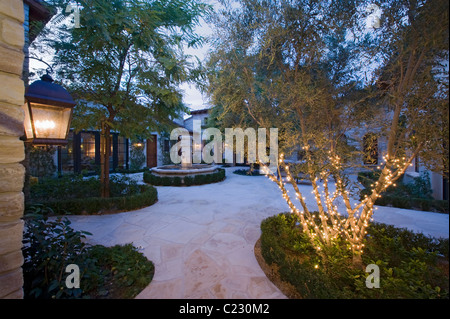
point(329, 224)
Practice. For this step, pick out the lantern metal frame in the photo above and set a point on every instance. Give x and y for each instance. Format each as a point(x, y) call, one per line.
point(51, 97)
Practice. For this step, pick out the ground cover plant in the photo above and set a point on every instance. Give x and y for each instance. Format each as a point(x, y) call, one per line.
point(50, 246)
point(77, 195)
point(411, 265)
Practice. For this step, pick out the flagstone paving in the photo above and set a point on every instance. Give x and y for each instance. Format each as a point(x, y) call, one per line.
point(201, 238)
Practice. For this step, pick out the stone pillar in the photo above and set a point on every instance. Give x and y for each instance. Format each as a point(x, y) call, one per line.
point(11, 148)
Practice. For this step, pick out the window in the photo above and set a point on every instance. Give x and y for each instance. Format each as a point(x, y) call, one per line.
point(370, 144)
point(121, 152)
point(166, 147)
point(87, 146)
point(67, 155)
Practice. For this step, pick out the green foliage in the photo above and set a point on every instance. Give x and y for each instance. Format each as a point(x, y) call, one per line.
point(126, 59)
point(49, 246)
point(137, 157)
point(201, 179)
point(124, 267)
point(415, 195)
point(409, 263)
point(247, 172)
point(77, 195)
point(421, 186)
point(188, 180)
point(105, 272)
point(125, 62)
point(41, 162)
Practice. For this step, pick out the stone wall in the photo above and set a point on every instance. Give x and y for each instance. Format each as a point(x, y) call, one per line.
point(11, 148)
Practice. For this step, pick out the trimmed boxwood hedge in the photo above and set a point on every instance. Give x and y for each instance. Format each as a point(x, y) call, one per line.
point(93, 205)
point(411, 265)
point(186, 180)
point(400, 196)
point(81, 196)
point(246, 172)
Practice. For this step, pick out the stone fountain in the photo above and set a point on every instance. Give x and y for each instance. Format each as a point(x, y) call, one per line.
point(184, 169)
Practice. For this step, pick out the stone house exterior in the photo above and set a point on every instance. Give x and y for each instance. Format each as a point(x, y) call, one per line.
point(15, 27)
point(12, 172)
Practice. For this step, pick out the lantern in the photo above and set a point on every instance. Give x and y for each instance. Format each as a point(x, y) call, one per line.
point(48, 112)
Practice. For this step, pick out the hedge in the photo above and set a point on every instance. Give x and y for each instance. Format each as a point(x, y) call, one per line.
point(91, 205)
point(440, 206)
point(246, 172)
point(188, 180)
point(410, 264)
point(399, 196)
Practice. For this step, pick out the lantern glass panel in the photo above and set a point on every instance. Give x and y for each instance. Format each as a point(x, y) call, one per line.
point(50, 122)
point(27, 123)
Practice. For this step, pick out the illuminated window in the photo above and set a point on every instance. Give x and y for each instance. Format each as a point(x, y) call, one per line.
point(370, 144)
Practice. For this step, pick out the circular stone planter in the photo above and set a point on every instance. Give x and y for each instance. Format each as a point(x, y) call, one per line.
point(177, 170)
point(184, 177)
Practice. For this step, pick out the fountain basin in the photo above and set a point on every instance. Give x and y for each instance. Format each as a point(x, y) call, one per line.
point(178, 170)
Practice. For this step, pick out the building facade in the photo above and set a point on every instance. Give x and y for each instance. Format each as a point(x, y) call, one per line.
point(12, 172)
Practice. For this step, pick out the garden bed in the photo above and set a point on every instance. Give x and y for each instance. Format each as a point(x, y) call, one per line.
point(187, 180)
point(118, 272)
point(411, 265)
point(78, 195)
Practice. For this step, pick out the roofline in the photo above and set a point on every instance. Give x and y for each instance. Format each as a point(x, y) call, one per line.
point(200, 111)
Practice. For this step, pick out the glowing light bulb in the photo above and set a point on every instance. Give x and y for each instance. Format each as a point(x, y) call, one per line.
point(45, 125)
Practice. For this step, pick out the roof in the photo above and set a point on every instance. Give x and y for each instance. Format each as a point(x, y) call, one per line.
point(39, 11)
point(202, 111)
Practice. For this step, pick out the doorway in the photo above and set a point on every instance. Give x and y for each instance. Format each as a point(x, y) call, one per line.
point(152, 155)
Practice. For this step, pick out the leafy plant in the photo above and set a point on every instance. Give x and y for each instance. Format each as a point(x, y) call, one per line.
point(49, 246)
point(247, 172)
point(75, 194)
point(127, 270)
point(187, 180)
point(105, 272)
point(410, 264)
point(143, 42)
point(137, 157)
point(421, 186)
point(415, 195)
point(41, 162)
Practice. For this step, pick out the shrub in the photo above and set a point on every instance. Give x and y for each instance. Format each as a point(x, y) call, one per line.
point(137, 157)
point(48, 247)
point(187, 180)
point(408, 262)
point(176, 181)
point(416, 195)
point(76, 195)
point(41, 163)
point(247, 172)
point(105, 272)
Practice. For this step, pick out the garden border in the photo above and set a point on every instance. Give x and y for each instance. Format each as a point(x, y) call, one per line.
point(193, 180)
point(99, 205)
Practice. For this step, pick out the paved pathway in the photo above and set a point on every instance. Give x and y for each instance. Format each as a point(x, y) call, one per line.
point(201, 238)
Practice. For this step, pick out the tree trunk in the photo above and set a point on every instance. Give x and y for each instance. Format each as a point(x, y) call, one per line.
point(357, 259)
point(105, 151)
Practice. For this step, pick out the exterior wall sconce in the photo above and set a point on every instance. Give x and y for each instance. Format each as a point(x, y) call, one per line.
point(48, 112)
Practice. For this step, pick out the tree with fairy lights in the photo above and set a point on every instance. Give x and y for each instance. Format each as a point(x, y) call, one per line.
point(314, 70)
